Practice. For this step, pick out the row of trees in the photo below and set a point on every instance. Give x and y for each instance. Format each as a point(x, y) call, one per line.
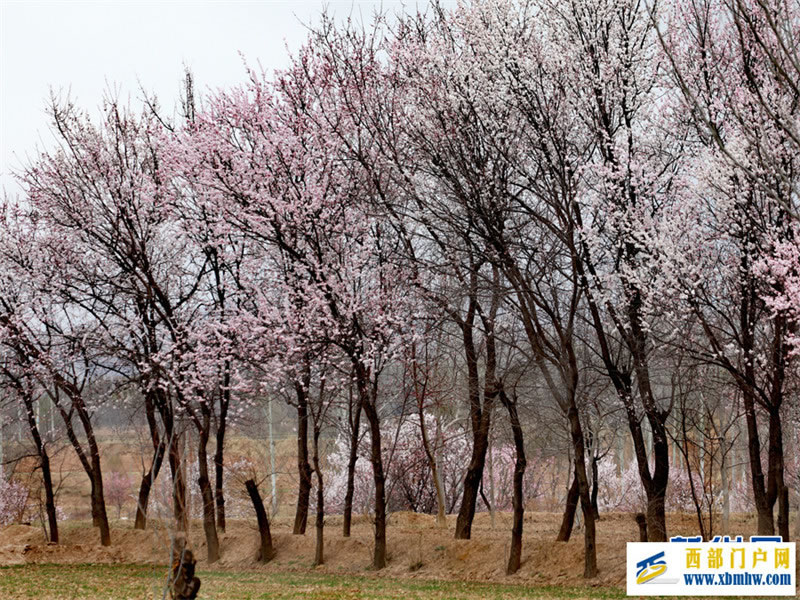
point(585, 204)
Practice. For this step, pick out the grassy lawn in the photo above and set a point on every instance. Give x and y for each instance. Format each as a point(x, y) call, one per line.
point(137, 582)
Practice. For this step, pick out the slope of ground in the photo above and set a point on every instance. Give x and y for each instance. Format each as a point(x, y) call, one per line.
point(417, 549)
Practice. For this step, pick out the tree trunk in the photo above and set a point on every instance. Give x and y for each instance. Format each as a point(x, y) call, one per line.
point(319, 557)
point(303, 467)
point(175, 460)
point(146, 485)
point(140, 522)
point(480, 417)
point(441, 519)
point(656, 515)
point(589, 536)
point(783, 514)
point(725, 475)
point(515, 554)
point(355, 429)
point(44, 463)
point(99, 504)
point(148, 478)
point(641, 521)
point(775, 477)
point(219, 453)
point(595, 487)
point(49, 497)
point(267, 551)
point(567, 521)
point(209, 525)
point(472, 480)
point(96, 476)
point(379, 556)
point(219, 462)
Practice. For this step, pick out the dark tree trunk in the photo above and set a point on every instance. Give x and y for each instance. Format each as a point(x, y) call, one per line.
point(148, 478)
point(99, 504)
point(567, 521)
point(44, 463)
point(90, 463)
point(175, 459)
point(775, 483)
point(146, 485)
point(656, 515)
point(370, 411)
point(99, 514)
point(219, 453)
point(267, 551)
point(49, 497)
point(515, 554)
point(472, 482)
point(355, 428)
point(480, 417)
point(589, 535)
point(219, 462)
point(641, 521)
point(595, 488)
point(203, 481)
point(319, 557)
point(765, 525)
point(783, 514)
point(303, 466)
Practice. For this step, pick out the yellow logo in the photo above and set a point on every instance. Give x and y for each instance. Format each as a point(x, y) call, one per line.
point(650, 568)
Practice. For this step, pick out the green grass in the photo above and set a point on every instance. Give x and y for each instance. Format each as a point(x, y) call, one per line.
point(139, 582)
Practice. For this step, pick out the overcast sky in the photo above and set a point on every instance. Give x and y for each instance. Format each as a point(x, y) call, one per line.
point(84, 47)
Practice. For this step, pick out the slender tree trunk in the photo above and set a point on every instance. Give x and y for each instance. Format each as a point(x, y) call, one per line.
point(726, 491)
point(49, 497)
point(144, 490)
point(267, 551)
point(441, 519)
point(355, 429)
point(303, 466)
point(472, 481)
point(515, 554)
point(480, 418)
point(766, 525)
point(219, 462)
point(783, 514)
point(175, 459)
point(98, 499)
point(203, 481)
point(90, 463)
point(273, 475)
point(44, 463)
point(776, 485)
point(567, 521)
point(595, 487)
point(589, 536)
point(379, 556)
point(219, 453)
point(99, 504)
point(150, 476)
point(319, 557)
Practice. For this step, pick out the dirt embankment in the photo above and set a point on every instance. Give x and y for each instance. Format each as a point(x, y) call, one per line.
point(416, 547)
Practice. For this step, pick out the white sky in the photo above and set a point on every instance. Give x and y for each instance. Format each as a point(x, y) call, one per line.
point(85, 47)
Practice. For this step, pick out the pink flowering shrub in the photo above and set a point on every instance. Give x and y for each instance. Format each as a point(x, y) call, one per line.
point(117, 488)
point(13, 501)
